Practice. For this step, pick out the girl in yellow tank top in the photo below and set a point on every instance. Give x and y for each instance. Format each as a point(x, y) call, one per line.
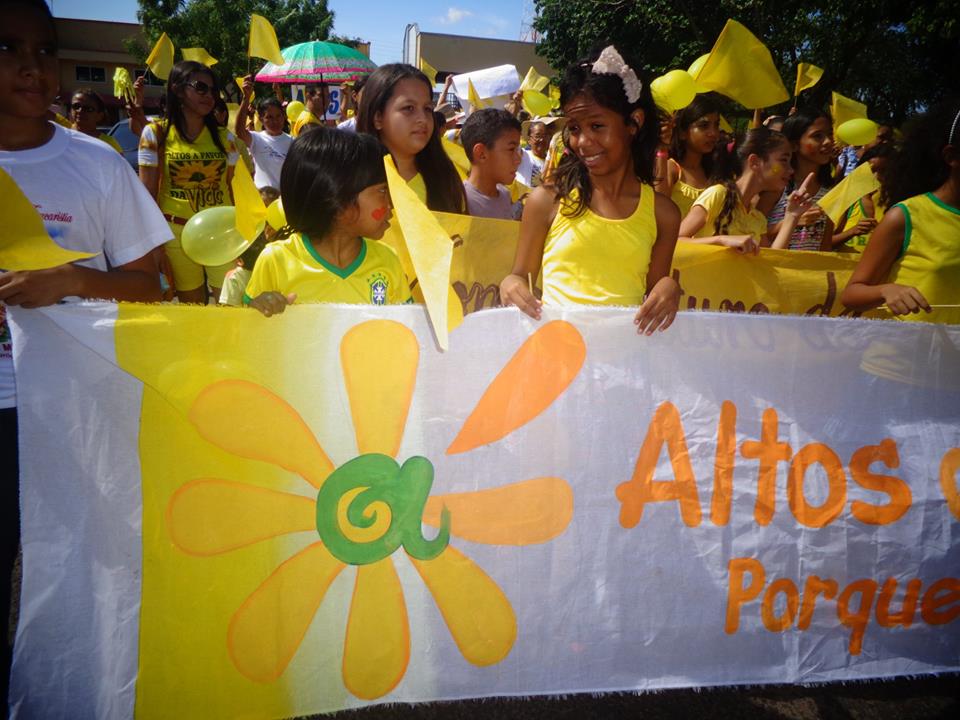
point(686, 161)
point(599, 231)
point(912, 261)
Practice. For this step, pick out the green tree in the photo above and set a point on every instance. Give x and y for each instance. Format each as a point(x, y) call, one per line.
point(222, 28)
point(896, 57)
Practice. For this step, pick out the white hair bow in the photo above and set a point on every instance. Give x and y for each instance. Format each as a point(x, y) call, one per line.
point(611, 63)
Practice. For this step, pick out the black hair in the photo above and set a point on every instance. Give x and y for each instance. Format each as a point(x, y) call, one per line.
point(44, 9)
point(484, 127)
point(880, 150)
point(761, 141)
point(89, 93)
point(359, 83)
point(793, 128)
point(606, 90)
point(267, 103)
point(703, 104)
point(918, 167)
point(179, 76)
point(325, 171)
point(444, 187)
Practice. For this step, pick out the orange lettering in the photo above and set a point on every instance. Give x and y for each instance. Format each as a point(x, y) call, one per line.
point(665, 427)
point(811, 588)
point(856, 621)
point(805, 513)
point(899, 492)
point(769, 452)
point(737, 594)
point(775, 623)
point(948, 480)
point(907, 610)
point(930, 607)
point(723, 466)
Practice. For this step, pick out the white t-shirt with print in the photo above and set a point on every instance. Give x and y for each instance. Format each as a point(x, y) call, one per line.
point(268, 153)
point(90, 201)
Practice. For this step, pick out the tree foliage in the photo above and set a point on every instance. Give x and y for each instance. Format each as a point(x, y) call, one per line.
point(222, 28)
point(894, 56)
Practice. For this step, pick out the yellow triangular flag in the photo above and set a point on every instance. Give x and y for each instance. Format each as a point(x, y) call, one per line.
point(239, 82)
point(24, 241)
point(807, 76)
point(251, 212)
point(160, 60)
point(475, 102)
point(843, 109)
point(534, 81)
point(725, 126)
point(536, 103)
point(263, 40)
point(429, 70)
point(425, 250)
point(740, 67)
point(458, 156)
point(199, 55)
point(844, 194)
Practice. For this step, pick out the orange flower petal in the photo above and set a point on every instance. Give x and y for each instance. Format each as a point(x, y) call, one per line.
point(379, 361)
point(266, 631)
point(524, 513)
point(477, 613)
point(377, 647)
point(534, 377)
point(209, 516)
point(249, 421)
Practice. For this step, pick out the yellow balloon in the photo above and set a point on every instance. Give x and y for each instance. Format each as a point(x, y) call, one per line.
point(275, 215)
point(695, 67)
point(858, 131)
point(294, 109)
point(673, 91)
point(536, 103)
point(211, 237)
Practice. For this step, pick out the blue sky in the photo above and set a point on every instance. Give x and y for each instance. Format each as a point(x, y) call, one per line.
point(381, 22)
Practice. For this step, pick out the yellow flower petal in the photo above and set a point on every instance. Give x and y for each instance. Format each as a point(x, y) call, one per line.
point(209, 517)
point(377, 647)
point(249, 421)
point(266, 631)
point(477, 613)
point(524, 513)
point(534, 377)
point(379, 360)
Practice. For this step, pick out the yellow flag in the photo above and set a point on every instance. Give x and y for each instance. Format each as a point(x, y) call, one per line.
point(24, 241)
point(425, 251)
point(160, 60)
point(199, 55)
point(123, 85)
point(725, 126)
point(534, 81)
point(458, 156)
point(263, 40)
point(536, 103)
point(740, 67)
point(472, 97)
point(429, 70)
point(553, 92)
point(807, 76)
point(843, 109)
point(251, 212)
point(844, 194)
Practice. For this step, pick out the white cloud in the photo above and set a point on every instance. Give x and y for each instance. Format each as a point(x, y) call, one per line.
point(454, 15)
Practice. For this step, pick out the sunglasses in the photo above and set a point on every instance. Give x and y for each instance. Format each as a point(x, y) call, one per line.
point(200, 87)
point(80, 107)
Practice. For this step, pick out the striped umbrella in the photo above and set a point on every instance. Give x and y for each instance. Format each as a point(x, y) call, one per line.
point(317, 62)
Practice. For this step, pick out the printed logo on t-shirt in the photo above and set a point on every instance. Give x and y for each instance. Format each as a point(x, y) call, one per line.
point(195, 177)
point(378, 289)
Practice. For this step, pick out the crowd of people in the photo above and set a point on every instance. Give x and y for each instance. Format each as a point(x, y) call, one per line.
point(603, 192)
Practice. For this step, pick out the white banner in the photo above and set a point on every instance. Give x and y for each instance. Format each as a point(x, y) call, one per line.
point(229, 515)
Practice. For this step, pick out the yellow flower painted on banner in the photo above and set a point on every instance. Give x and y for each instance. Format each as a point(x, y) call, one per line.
point(370, 507)
point(195, 173)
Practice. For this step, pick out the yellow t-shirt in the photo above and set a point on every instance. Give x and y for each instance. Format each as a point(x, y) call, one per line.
point(591, 260)
point(930, 260)
point(294, 266)
point(109, 140)
point(683, 194)
point(305, 118)
point(194, 173)
point(742, 221)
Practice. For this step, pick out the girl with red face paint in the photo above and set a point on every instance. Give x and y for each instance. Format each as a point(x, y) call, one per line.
point(601, 233)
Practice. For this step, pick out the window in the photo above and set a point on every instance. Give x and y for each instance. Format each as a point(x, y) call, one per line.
point(91, 74)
